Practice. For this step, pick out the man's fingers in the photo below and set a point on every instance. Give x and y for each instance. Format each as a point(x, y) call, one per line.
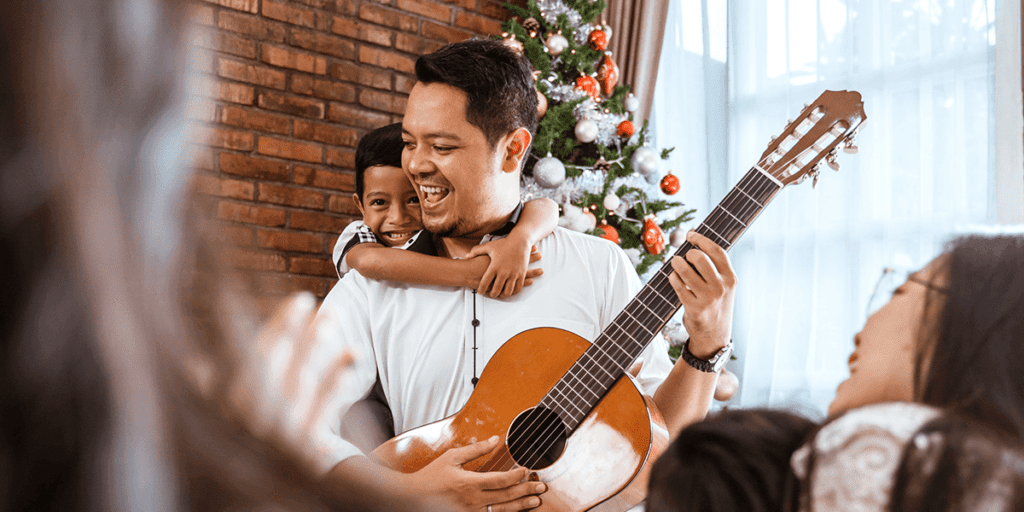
point(534, 272)
point(686, 296)
point(524, 503)
point(534, 257)
point(686, 275)
point(464, 454)
point(498, 481)
point(486, 281)
point(715, 252)
point(705, 270)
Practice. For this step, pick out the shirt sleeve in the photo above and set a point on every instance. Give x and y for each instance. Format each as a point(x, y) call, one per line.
point(350, 329)
point(355, 233)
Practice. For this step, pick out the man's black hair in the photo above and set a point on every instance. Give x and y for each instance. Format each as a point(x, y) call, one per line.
point(382, 146)
point(497, 81)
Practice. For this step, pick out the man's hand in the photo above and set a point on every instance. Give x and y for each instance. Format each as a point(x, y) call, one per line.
point(707, 294)
point(502, 491)
point(509, 269)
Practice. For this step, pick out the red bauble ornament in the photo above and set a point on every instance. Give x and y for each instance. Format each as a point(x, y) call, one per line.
point(608, 74)
point(626, 129)
point(653, 238)
point(589, 85)
point(610, 233)
point(598, 40)
point(670, 184)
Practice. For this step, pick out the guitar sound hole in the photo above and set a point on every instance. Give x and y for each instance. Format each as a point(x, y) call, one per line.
point(536, 438)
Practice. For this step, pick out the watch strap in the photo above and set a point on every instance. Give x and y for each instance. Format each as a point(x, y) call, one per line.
point(712, 365)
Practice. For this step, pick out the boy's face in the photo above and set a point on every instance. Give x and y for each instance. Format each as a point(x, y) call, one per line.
point(390, 206)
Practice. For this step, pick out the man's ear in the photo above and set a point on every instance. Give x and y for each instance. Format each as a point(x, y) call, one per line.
point(359, 204)
point(516, 149)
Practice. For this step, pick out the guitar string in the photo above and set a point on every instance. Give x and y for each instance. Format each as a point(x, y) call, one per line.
point(550, 435)
point(661, 275)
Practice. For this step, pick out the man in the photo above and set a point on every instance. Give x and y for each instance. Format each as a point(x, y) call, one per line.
point(468, 126)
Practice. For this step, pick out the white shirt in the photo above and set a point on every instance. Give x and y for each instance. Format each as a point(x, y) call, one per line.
point(418, 340)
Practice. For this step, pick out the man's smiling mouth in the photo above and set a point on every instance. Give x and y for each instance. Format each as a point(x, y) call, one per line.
point(433, 195)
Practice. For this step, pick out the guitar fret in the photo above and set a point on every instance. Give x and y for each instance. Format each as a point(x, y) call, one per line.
point(733, 216)
point(751, 198)
point(722, 238)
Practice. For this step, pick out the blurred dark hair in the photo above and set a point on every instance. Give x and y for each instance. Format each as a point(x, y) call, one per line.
point(382, 146)
point(498, 83)
point(972, 359)
point(736, 460)
point(97, 409)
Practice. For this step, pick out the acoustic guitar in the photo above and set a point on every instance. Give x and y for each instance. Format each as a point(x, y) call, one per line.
point(566, 408)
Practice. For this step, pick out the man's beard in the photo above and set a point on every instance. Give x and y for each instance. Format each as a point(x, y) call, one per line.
point(447, 228)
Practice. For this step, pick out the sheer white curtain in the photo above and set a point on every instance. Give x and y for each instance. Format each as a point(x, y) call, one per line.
point(730, 77)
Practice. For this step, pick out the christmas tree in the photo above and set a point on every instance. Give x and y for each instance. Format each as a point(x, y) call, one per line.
point(587, 153)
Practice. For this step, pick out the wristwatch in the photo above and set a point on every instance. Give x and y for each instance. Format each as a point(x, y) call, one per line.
point(717, 361)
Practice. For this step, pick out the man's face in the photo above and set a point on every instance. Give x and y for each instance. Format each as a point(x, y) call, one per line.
point(390, 206)
point(462, 187)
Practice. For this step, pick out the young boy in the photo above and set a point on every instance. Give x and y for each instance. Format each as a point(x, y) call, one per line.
point(391, 219)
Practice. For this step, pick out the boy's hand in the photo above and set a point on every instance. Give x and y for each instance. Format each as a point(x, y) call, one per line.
point(509, 269)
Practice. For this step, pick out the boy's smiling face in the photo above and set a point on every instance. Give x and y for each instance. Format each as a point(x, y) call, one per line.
point(390, 206)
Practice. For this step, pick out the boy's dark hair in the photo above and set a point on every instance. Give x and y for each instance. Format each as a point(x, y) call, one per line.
point(498, 83)
point(382, 146)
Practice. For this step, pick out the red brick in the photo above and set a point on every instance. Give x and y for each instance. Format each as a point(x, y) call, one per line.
point(284, 284)
point(236, 93)
point(201, 157)
point(426, 8)
point(239, 236)
point(290, 150)
point(388, 18)
point(478, 24)
point(203, 15)
point(415, 45)
point(251, 214)
point(320, 178)
point(356, 116)
point(351, 72)
point(361, 31)
point(328, 134)
point(444, 33)
point(252, 74)
point(288, 196)
point(225, 138)
point(255, 120)
point(340, 158)
point(325, 89)
point(314, 221)
point(258, 28)
point(342, 203)
point(403, 84)
point(253, 260)
point(466, 4)
point(238, 5)
point(283, 58)
point(259, 168)
point(382, 101)
point(386, 59)
point(291, 105)
point(312, 266)
point(347, 7)
point(289, 241)
point(223, 187)
point(322, 43)
point(318, 4)
point(235, 45)
point(289, 14)
point(493, 9)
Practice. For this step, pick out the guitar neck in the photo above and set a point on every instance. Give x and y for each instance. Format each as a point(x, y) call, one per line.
point(621, 343)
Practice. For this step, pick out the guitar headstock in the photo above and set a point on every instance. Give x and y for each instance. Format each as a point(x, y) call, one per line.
point(815, 135)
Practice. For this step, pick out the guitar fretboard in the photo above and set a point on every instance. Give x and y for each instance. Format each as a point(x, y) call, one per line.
point(615, 350)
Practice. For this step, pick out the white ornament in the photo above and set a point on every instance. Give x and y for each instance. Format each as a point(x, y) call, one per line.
point(549, 172)
point(557, 43)
point(586, 131)
point(611, 201)
point(631, 103)
point(645, 161)
point(677, 237)
point(633, 254)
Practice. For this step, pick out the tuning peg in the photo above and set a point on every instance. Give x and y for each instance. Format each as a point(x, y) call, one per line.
point(772, 139)
point(806, 105)
point(832, 162)
point(850, 147)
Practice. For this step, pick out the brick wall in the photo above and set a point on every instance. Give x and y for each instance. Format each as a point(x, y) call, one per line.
point(294, 85)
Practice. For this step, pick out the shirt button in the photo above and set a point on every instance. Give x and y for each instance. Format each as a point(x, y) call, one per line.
point(476, 323)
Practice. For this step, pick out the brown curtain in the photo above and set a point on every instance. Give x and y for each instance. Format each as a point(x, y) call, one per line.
point(638, 27)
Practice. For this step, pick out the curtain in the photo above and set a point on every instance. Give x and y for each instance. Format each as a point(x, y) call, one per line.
point(638, 27)
point(730, 77)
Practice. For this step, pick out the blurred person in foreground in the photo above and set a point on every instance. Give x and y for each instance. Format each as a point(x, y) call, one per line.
point(113, 397)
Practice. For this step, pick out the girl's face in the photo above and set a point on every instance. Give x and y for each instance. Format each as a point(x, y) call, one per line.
point(883, 359)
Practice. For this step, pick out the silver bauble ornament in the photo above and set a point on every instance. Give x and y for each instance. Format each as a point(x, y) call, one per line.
point(549, 172)
point(677, 237)
point(645, 161)
point(557, 43)
point(611, 201)
point(586, 131)
point(631, 103)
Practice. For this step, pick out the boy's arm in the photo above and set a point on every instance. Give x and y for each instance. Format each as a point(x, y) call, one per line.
point(512, 255)
point(386, 264)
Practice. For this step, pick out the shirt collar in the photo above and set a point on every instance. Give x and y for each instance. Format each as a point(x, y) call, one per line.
point(512, 221)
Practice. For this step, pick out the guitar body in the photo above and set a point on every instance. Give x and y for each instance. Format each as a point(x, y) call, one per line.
point(605, 462)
